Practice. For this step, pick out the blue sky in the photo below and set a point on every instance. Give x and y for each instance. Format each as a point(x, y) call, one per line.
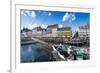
point(34, 18)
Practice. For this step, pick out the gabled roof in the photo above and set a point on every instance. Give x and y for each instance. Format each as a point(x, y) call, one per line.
point(25, 30)
point(65, 28)
point(53, 26)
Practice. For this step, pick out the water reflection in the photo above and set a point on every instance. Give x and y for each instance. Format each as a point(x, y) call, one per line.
point(33, 53)
point(38, 53)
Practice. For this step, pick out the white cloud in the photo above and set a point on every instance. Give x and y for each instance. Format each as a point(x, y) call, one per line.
point(34, 25)
point(33, 14)
point(72, 16)
point(43, 26)
point(60, 26)
point(22, 13)
point(29, 13)
point(68, 17)
point(65, 17)
point(31, 26)
point(49, 14)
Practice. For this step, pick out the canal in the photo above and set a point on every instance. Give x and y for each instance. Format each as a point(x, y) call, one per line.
point(35, 53)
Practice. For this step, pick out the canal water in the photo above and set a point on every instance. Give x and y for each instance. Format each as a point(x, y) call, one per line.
point(37, 53)
point(34, 53)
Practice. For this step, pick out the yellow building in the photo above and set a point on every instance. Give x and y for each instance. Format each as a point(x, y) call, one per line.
point(67, 32)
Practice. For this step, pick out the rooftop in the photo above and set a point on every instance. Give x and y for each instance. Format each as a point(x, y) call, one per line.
point(65, 28)
point(25, 30)
point(85, 27)
point(53, 26)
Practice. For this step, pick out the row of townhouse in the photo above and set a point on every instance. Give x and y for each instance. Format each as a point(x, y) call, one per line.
point(50, 31)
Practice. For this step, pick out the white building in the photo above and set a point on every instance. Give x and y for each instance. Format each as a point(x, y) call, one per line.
point(38, 32)
point(52, 30)
point(84, 32)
